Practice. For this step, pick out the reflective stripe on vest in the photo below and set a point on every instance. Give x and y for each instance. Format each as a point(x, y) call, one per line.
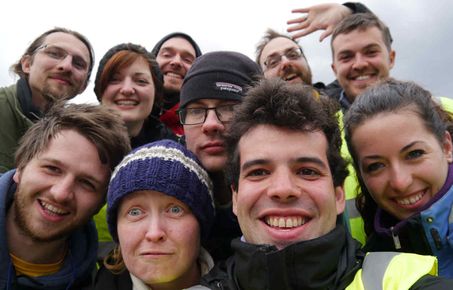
point(392, 270)
point(352, 216)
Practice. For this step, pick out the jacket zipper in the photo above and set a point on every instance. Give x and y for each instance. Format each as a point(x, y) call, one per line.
point(396, 239)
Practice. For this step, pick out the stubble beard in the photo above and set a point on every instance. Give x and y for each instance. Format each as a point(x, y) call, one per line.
point(23, 222)
point(53, 95)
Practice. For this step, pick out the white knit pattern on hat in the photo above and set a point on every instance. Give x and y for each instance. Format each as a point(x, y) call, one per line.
point(165, 153)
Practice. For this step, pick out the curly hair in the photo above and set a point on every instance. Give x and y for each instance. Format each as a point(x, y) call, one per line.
point(295, 107)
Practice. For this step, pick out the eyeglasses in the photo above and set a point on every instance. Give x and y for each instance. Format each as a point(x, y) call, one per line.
point(275, 59)
point(58, 54)
point(195, 116)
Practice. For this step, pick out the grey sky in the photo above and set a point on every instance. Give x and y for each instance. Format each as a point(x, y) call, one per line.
point(421, 30)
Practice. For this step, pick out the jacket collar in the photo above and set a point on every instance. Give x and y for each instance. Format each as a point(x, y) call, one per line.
point(25, 99)
point(322, 263)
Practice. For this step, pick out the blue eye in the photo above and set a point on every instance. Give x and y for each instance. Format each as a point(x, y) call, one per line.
point(374, 167)
point(134, 212)
point(415, 154)
point(175, 209)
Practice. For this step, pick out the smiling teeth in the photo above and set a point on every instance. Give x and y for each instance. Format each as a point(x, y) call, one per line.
point(285, 222)
point(361, 78)
point(173, 75)
point(126, 103)
point(52, 209)
point(290, 77)
point(410, 200)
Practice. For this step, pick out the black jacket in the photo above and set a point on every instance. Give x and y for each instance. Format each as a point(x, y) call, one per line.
point(152, 130)
point(107, 280)
point(328, 262)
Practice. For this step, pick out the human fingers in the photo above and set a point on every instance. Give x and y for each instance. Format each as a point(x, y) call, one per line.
point(301, 10)
point(304, 32)
point(326, 33)
point(297, 20)
point(297, 27)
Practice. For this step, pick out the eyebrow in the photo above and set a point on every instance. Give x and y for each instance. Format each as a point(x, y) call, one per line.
point(284, 51)
point(148, 74)
point(254, 162)
point(371, 45)
point(74, 54)
point(174, 50)
point(405, 148)
point(83, 176)
point(264, 161)
point(314, 160)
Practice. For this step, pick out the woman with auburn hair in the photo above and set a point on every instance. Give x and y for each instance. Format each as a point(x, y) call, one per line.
point(129, 82)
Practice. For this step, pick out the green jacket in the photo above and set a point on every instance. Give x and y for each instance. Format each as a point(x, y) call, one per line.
point(13, 125)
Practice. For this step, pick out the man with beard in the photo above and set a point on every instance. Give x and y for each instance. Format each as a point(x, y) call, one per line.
point(281, 56)
point(175, 54)
point(64, 162)
point(212, 89)
point(56, 66)
point(362, 55)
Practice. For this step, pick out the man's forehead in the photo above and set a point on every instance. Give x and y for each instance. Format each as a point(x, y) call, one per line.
point(313, 143)
point(360, 34)
point(278, 44)
point(68, 42)
point(178, 43)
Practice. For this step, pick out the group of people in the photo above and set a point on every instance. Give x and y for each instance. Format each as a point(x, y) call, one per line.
point(214, 171)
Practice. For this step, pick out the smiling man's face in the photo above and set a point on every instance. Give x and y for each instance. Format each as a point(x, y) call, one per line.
point(360, 59)
point(285, 191)
point(291, 69)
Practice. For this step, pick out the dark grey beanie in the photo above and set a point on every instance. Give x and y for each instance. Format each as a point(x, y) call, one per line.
point(158, 45)
point(222, 75)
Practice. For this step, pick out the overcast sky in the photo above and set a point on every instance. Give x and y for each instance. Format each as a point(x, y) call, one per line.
point(422, 31)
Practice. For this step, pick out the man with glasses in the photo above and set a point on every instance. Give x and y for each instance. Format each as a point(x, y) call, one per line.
point(212, 88)
point(56, 66)
point(281, 56)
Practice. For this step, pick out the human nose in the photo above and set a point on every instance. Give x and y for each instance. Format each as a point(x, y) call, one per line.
point(400, 179)
point(282, 187)
point(63, 189)
point(212, 123)
point(176, 60)
point(156, 229)
point(127, 87)
point(359, 61)
point(65, 63)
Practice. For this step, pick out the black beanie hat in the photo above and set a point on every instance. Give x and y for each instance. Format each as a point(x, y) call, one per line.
point(125, 46)
point(158, 45)
point(219, 75)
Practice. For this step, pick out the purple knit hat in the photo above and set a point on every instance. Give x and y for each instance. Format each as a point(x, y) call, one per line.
point(167, 167)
